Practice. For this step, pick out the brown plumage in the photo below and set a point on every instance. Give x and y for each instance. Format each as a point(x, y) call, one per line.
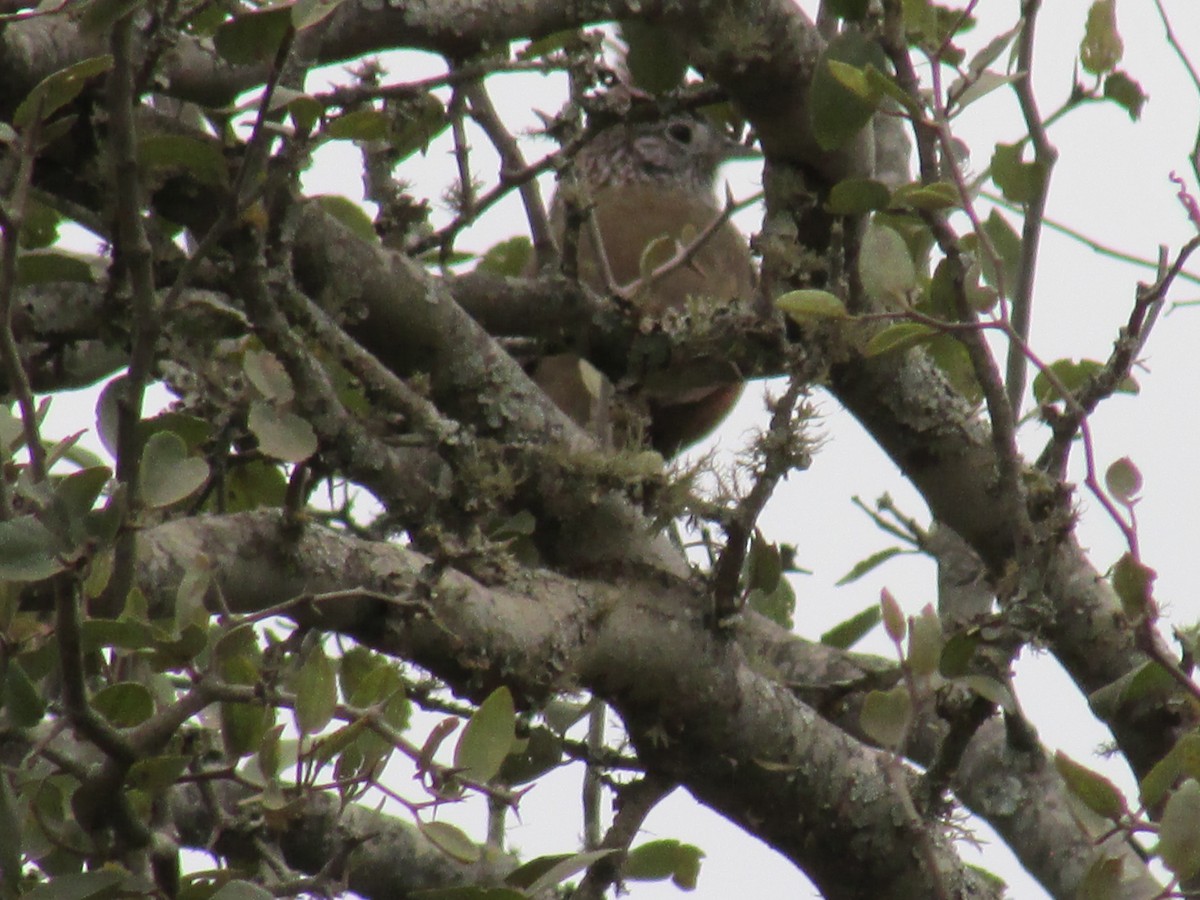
point(644, 181)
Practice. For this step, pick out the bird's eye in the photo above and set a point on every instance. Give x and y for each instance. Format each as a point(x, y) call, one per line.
point(681, 132)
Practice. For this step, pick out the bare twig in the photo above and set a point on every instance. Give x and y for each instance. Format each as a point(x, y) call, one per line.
point(685, 254)
point(1191, 70)
point(511, 160)
point(779, 456)
point(635, 801)
point(1000, 411)
point(12, 218)
point(1045, 156)
point(134, 255)
point(1091, 243)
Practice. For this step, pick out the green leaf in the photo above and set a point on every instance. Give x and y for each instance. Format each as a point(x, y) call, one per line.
point(99, 883)
point(124, 705)
point(268, 755)
point(1104, 880)
point(893, 616)
point(854, 80)
point(1179, 831)
point(778, 604)
point(1019, 181)
point(863, 566)
point(253, 36)
point(1097, 793)
point(23, 704)
point(359, 125)
point(254, 484)
point(562, 715)
point(99, 16)
point(846, 634)
point(168, 473)
point(542, 752)
point(80, 490)
point(28, 551)
point(267, 375)
point(471, 892)
point(414, 123)
point(939, 195)
point(1123, 480)
point(1073, 376)
point(992, 49)
point(898, 337)
point(855, 196)
point(925, 642)
point(40, 226)
point(1101, 48)
point(965, 92)
point(47, 266)
point(12, 432)
point(520, 524)
point(1133, 581)
point(192, 430)
point(124, 634)
point(202, 159)
point(488, 737)
point(316, 691)
point(307, 13)
point(281, 434)
point(305, 109)
point(58, 89)
point(807, 306)
point(885, 716)
point(655, 59)
point(990, 689)
point(837, 112)
point(1126, 93)
point(667, 858)
point(157, 773)
point(350, 214)
point(885, 264)
point(1182, 759)
point(957, 653)
point(243, 726)
point(764, 565)
point(11, 851)
point(451, 840)
point(1007, 244)
point(850, 10)
point(539, 875)
point(551, 43)
point(508, 258)
point(241, 890)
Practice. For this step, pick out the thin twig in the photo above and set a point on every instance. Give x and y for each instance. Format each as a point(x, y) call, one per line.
point(779, 456)
point(687, 253)
point(1091, 243)
point(133, 254)
point(987, 372)
point(1044, 155)
point(593, 775)
point(635, 802)
point(1173, 41)
point(511, 160)
point(12, 219)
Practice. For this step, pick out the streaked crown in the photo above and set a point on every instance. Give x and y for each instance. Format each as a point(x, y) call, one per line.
point(681, 152)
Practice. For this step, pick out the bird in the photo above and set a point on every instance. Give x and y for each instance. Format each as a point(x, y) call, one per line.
point(649, 188)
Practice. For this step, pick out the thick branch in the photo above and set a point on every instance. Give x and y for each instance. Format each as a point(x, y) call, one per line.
point(699, 709)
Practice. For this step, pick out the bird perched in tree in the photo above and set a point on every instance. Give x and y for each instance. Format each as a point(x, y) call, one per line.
point(649, 190)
